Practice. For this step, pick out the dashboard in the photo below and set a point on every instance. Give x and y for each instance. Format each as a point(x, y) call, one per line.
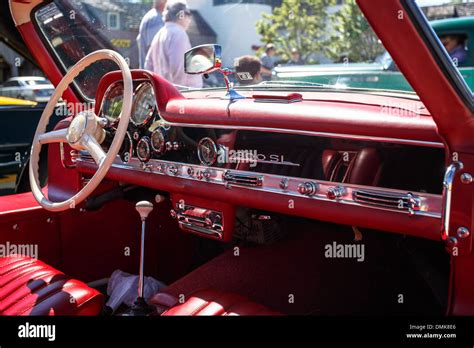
point(211, 169)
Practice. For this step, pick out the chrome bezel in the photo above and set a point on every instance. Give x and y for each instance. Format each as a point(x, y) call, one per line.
point(154, 108)
point(104, 97)
point(145, 140)
point(214, 149)
point(161, 130)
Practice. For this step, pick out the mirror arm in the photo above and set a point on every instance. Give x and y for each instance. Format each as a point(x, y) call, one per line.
point(232, 94)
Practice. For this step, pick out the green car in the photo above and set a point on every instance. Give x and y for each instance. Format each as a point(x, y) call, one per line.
point(382, 74)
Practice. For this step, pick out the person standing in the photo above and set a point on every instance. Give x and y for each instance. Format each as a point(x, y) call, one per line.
point(150, 24)
point(166, 54)
point(295, 58)
point(267, 61)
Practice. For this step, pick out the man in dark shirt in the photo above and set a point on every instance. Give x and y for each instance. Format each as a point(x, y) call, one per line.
point(247, 70)
point(295, 58)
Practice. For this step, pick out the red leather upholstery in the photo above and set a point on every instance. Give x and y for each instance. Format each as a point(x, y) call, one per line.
point(215, 303)
point(359, 168)
point(30, 287)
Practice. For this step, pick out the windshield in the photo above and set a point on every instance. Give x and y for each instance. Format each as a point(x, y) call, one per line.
point(311, 43)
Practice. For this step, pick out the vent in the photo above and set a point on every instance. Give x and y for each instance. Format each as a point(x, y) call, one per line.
point(405, 202)
point(243, 179)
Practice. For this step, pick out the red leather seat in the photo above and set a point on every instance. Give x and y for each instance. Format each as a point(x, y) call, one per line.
point(31, 287)
point(215, 303)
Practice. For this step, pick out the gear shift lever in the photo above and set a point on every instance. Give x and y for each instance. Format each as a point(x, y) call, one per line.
point(140, 307)
point(144, 208)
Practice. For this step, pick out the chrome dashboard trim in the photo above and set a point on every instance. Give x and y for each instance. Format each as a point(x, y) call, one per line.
point(430, 204)
point(310, 133)
point(149, 117)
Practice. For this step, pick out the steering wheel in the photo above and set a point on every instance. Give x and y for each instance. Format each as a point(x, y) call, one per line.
point(84, 133)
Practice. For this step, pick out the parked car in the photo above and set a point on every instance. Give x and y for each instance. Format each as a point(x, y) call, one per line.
point(268, 199)
point(18, 121)
point(383, 73)
point(33, 88)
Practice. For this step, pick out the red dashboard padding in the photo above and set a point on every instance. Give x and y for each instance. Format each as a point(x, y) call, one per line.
point(31, 287)
point(215, 303)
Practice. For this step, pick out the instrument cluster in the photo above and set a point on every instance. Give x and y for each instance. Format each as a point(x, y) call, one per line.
point(148, 136)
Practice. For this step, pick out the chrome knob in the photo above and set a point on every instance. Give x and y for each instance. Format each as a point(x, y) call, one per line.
point(336, 192)
point(144, 208)
point(207, 174)
point(173, 170)
point(308, 188)
point(463, 232)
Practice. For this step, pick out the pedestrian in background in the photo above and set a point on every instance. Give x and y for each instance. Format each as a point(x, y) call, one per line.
point(166, 54)
point(268, 62)
point(248, 70)
point(295, 58)
point(151, 23)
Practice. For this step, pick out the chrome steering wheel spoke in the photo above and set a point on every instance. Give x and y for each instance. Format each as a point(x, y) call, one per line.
point(56, 136)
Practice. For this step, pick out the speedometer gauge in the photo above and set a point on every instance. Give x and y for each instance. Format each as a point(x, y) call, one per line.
point(112, 102)
point(144, 104)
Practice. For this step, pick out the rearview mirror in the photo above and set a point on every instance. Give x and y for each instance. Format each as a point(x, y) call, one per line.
point(203, 59)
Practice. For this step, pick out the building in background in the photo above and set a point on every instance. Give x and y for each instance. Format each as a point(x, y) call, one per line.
point(449, 10)
point(12, 64)
point(233, 22)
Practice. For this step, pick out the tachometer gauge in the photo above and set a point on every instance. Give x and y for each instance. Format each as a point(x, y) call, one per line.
point(112, 101)
point(207, 151)
point(159, 137)
point(144, 104)
point(144, 149)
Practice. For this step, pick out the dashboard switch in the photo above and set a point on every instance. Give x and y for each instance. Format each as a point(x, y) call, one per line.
point(336, 192)
point(173, 170)
point(308, 188)
point(207, 174)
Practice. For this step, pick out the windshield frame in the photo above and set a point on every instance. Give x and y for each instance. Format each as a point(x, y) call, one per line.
point(439, 53)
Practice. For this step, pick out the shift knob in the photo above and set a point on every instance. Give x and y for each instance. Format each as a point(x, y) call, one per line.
point(144, 208)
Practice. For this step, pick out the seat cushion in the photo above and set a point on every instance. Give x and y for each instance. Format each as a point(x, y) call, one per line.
point(216, 303)
point(31, 287)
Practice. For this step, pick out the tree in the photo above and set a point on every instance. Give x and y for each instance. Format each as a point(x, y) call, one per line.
point(353, 38)
point(299, 24)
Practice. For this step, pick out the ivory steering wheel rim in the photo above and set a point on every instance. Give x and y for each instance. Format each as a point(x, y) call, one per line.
point(82, 133)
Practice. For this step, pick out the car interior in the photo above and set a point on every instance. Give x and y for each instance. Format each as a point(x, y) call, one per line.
point(255, 201)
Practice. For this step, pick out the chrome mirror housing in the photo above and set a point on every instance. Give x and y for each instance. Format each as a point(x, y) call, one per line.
point(203, 59)
point(206, 59)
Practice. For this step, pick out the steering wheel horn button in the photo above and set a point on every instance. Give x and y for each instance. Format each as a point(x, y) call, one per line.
point(77, 129)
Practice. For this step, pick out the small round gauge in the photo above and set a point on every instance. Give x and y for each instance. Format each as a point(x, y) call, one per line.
point(144, 149)
point(111, 106)
point(207, 151)
point(159, 138)
point(144, 104)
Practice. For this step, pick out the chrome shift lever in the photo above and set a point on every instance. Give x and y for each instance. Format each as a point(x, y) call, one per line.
point(144, 208)
point(140, 307)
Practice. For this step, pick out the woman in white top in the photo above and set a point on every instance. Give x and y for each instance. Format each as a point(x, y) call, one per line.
point(166, 54)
